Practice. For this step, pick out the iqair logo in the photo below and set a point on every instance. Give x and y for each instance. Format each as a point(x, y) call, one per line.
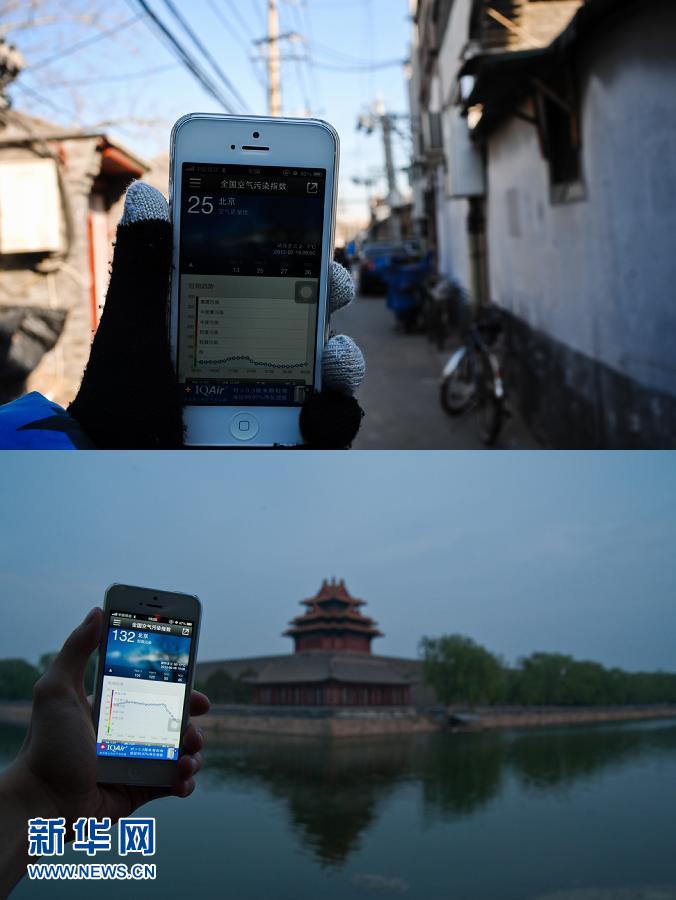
point(208, 390)
point(116, 748)
point(205, 390)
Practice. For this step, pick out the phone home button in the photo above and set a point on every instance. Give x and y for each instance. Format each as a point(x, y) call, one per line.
point(134, 771)
point(244, 426)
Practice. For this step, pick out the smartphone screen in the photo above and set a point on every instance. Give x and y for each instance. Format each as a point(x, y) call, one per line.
point(249, 269)
point(145, 676)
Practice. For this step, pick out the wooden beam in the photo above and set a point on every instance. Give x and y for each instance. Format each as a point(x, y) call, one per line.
point(553, 96)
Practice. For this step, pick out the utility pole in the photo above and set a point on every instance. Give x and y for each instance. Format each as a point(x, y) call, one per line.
point(274, 88)
point(374, 118)
point(393, 197)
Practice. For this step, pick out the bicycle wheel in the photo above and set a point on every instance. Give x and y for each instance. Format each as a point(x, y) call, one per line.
point(458, 390)
point(489, 409)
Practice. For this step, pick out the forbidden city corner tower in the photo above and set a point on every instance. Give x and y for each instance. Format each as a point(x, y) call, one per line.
point(333, 622)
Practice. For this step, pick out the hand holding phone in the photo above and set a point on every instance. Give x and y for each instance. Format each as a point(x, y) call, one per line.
point(144, 679)
point(55, 772)
point(253, 213)
point(128, 397)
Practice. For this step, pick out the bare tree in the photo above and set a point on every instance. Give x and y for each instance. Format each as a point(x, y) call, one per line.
point(68, 48)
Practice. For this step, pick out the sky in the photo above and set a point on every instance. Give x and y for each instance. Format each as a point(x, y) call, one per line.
point(521, 551)
point(131, 74)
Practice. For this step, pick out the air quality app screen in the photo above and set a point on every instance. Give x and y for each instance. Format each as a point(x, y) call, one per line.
point(144, 683)
point(250, 263)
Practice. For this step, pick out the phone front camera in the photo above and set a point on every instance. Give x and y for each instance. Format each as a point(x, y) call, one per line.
point(256, 134)
point(232, 146)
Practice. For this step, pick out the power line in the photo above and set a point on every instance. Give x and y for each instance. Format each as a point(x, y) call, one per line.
point(346, 57)
point(302, 84)
point(314, 79)
point(240, 18)
point(386, 64)
point(302, 72)
point(205, 51)
point(298, 60)
point(245, 36)
point(261, 12)
point(368, 9)
point(178, 50)
point(114, 29)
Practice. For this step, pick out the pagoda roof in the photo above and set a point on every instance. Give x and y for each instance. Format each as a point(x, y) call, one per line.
point(333, 590)
point(319, 618)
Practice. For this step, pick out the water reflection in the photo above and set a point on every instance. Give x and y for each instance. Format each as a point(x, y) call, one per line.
point(561, 757)
point(335, 790)
point(459, 773)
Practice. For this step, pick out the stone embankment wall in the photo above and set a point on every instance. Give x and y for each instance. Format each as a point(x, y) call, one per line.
point(318, 722)
point(326, 722)
point(540, 718)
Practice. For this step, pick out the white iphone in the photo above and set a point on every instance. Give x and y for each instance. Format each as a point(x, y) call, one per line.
point(252, 203)
point(144, 678)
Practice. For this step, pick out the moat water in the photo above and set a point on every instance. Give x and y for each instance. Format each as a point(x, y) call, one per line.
point(581, 813)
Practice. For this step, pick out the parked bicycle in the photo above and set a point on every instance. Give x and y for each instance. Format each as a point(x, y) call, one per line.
point(472, 377)
point(440, 302)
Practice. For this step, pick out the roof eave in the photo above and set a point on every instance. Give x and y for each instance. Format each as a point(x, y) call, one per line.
point(522, 65)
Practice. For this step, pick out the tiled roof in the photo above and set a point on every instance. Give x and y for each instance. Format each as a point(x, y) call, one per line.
point(320, 616)
point(19, 127)
point(503, 80)
point(319, 667)
point(333, 590)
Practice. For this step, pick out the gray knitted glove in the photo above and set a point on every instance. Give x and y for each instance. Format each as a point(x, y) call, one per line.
point(343, 365)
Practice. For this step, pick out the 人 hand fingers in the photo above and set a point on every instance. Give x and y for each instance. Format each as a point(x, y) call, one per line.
point(199, 704)
point(193, 740)
point(343, 366)
point(189, 765)
point(341, 287)
point(184, 788)
point(71, 661)
point(144, 203)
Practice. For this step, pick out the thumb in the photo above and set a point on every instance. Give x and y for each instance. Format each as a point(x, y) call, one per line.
point(71, 661)
point(128, 398)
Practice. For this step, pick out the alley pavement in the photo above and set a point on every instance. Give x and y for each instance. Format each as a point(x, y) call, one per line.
point(400, 393)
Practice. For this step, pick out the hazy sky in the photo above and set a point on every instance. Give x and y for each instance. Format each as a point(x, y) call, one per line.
point(569, 552)
point(147, 83)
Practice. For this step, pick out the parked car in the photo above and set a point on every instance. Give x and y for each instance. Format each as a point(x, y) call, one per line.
point(376, 259)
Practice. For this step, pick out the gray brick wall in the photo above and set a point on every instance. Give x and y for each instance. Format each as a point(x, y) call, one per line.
point(59, 282)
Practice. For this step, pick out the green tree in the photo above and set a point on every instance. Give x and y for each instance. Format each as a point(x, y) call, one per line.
point(541, 677)
point(460, 670)
point(221, 687)
point(17, 678)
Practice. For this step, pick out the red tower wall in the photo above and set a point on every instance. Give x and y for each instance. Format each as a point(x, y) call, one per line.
point(332, 693)
point(355, 643)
